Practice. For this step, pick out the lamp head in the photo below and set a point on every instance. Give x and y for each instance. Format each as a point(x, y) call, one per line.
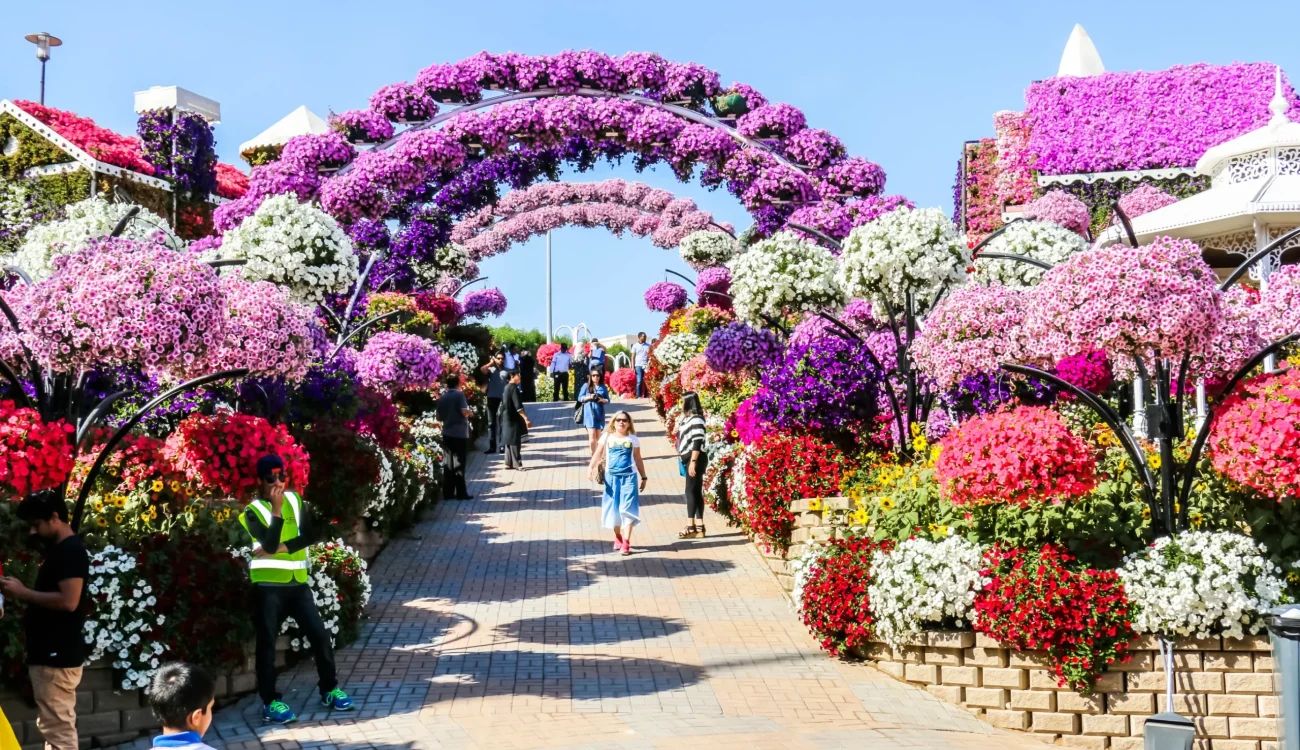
point(43, 41)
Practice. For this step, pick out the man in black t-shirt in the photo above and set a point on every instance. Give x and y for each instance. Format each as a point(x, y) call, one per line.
point(454, 413)
point(56, 646)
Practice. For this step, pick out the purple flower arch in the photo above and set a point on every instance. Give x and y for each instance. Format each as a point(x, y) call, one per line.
point(573, 107)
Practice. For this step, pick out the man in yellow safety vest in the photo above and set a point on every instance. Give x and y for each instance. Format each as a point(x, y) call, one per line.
point(280, 529)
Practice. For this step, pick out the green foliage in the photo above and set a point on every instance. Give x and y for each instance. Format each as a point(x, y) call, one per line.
point(614, 350)
point(33, 149)
point(526, 339)
point(260, 155)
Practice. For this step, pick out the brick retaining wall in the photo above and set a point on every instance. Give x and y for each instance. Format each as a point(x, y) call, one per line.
point(1224, 685)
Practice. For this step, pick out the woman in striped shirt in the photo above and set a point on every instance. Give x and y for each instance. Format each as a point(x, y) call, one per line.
point(690, 449)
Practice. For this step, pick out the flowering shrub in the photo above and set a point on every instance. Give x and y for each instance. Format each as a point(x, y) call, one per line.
point(827, 384)
point(444, 308)
point(181, 148)
point(1090, 371)
point(402, 102)
point(377, 418)
point(674, 349)
point(1234, 341)
point(481, 303)
point(218, 454)
point(837, 220)
point(264, 331)
point(1040, 240)
point(781, 275)
point(738, 346)
point(123, 302)
point(974, 329)
point(747, 424)
point(713, 287)
point(1144, 199)
point(702, 249)
point(1145, 120)
point(1128, 303)
point(1255, 436)
point(1035, 601)
point(362, 125)
point(1059, 207)
point(82, 222)
point(316, 151)
point(1278, 311)
point(122, 628)
point(920, 582)
point(784, 468)
point(1015, 184)
point(296, 245)
point(665, 296)
point(1201, 584)
point(1015, 457)
point(546, 353)
point(399, 361)
point(351, 579)
point(771, 121)
point(623, 382)
point(101, 143)
point(465, 354)
point(915, 251)
point(231, 183)
point(836, 604)
point(34, 454)
point(696, 375)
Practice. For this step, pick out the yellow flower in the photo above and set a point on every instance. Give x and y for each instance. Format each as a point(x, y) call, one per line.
point(120, 501)
point(157, 485)
point(118, 518)
point(815, 504)
point(101, 521)
point(886, 503)
point(1123, 464)
point(860, 517)
point(99, 505)
point(1293, 577)
point(1196, 518)
point(939, 528)
point(176, 486)
point(144, 517)
point(153, 511)
point(1146, 512)
point(1154, 461)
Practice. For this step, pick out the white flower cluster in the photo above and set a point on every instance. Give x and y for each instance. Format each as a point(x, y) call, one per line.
point(426, 432)
point(676, 348)
point(781, 275)
point(122, 627)
point(85, 221)
point(295, 245)
point(1202, 584)
point(736, 493)
point(386, 491)
point(802, 566)
point(920, 582)
point(464, 353)
point(17, 214)
point(713, 491)
point(1040, 240)
point(325, 592)
point(449, 263)
point(907, 250)
point(702, 249)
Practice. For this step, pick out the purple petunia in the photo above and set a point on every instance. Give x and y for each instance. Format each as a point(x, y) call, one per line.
point(484, 302)
point(737, 346)
point(665, 297)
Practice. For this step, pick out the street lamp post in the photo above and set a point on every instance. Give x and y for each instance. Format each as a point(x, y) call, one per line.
point(43, 41)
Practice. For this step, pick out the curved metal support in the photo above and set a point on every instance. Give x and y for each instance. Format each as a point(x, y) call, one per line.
point(356, 293)
point(461, 288)
point(1111, 418)
point(825, 238)
point(20, 273)
point(124, 221)
point(95, 415)
point(716, 294)
point(724, 229)
point(223, 262)
point(361, 328)
point(1018, 259)
point(841, 329)
point(1241, 270)
point(122, 431)
point(1128, 225)
point(683, 277)
point(1203, 434)
point(683, 112)
point(975, 251)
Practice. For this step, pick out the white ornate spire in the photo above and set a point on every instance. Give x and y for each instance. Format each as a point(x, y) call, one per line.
point(1279, 105)
point(1080, 57)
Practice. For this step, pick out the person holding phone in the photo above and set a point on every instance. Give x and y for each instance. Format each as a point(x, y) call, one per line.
point(593, 396)
point(279, 527)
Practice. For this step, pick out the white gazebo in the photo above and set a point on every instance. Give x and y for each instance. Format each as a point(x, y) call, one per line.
point(1080, 57)
point(301, 121)
point(1254, 197)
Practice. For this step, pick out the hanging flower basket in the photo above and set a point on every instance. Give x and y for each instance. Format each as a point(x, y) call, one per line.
point(447, 96)
point(357, 134)
point(730, 105)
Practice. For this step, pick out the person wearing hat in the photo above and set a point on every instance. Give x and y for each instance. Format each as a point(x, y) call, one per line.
point(280, 528)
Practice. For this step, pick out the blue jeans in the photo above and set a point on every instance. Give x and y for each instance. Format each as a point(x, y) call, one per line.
point(640, 382)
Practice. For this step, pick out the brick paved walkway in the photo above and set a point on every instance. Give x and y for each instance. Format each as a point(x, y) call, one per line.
point(506, 622)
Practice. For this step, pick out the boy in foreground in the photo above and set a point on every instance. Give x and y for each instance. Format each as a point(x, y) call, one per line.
point(181, 697)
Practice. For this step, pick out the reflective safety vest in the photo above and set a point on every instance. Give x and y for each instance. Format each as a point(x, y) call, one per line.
point(282, 567)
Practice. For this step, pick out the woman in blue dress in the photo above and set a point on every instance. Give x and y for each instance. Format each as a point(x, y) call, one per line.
point(620, 508)
point(593, 396)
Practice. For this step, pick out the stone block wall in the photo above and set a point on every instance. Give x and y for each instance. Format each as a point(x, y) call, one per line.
point(108, 716)
point(1224, 685)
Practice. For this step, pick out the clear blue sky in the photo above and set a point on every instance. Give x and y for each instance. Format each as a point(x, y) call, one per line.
point(903, 84)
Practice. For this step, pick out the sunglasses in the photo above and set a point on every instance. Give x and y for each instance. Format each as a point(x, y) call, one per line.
point(275, 476)
point(623, 419)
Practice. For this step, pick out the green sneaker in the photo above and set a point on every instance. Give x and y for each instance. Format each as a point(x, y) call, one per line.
point(278, 713)
point(337, 700)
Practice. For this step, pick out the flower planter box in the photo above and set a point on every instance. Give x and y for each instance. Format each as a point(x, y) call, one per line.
point(106, 716)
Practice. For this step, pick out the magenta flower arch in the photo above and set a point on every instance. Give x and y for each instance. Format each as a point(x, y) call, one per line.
point(637, 105)
point(617, 205)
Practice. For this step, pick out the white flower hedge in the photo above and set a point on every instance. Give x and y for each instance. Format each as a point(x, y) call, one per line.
point(920, 582)
point(1201, 584)
point(702, 249)
point(676, 348)
point(121, 628)
point(781, 275)
point(906, 250)
point(1040, 240)
point(295, 245)
point(85, 221)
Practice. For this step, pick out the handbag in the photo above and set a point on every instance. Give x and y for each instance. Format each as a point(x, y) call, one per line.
point(681, 465)
point(577, 414)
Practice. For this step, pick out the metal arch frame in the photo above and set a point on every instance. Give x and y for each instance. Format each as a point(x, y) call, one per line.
point(589, 93)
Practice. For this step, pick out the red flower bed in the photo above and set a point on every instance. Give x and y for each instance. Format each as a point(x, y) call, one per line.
point(546, 353)
point(1035, 601)
point(219, 453)
point(136, 460)
point(34, 454)
point(377, 418)
point(1256, 434)
point(783, 468)
point(1018, 456)
point(623, 382)
point(231, 182)
point(101, 143)
point(835, 603)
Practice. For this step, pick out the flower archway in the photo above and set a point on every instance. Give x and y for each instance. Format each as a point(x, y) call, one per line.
point(574, 108)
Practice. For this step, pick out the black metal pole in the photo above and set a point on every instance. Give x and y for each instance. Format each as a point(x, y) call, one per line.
point(43, 83)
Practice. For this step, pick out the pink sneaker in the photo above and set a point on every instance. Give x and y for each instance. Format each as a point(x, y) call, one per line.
point(618, 545)
point(627, 547)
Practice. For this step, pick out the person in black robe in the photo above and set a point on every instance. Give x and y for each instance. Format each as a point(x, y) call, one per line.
point(528, 376)
point(514, 422)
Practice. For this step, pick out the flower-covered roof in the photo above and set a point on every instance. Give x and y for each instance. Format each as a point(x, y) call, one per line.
point(301, 121)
